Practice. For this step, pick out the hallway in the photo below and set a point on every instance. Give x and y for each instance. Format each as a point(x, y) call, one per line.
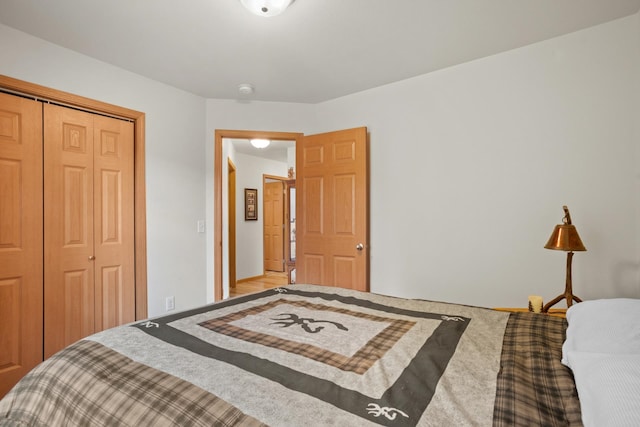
point(272, 279)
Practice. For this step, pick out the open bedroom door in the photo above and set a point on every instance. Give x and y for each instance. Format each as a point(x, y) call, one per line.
point(332, 204)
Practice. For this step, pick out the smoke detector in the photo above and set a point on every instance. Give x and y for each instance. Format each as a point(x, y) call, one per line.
point(245, 89)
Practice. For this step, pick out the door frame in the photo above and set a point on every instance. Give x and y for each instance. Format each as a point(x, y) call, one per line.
point(217, 191)
point(231, 209)
point(23, 88)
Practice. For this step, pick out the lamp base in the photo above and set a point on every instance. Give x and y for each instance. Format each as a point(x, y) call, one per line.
point(568, 295)
point(568, 291)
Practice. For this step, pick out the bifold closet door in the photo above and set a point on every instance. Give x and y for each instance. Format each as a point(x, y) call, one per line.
point(114, 239)
point(20, 238)
point(88, 225)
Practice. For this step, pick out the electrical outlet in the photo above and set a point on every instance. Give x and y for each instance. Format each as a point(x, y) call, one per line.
point(170, 303)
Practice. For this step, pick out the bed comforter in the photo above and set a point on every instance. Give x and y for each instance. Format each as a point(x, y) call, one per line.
point(308, 355)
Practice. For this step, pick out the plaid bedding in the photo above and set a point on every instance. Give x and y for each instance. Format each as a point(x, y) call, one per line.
point(308, 355)
point(534, 388)
point(89, 384)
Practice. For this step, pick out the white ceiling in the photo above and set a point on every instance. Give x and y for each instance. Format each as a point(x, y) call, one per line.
point(315, 51)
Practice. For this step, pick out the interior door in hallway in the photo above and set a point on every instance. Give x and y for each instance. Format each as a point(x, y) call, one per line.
point(273, 203)
point(88, 223)
point(20, 238)
point(332, 203)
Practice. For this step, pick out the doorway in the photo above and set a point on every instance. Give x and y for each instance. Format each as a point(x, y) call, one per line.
point(331, 211)
point(222, 237)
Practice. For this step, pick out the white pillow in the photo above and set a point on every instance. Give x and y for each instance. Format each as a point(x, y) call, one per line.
point(603, 326)
point(608, 387)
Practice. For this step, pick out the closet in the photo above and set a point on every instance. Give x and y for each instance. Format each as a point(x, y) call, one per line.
point(67, 241)
point(88, 225)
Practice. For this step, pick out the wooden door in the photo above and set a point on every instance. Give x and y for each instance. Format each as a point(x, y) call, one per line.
point(113, 222)
point(273, 209)
point(88, 223)
point(20, 238)
point(68, 227)
point(332, 203)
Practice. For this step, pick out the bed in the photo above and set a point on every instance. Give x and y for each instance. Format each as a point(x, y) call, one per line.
point(309, 355)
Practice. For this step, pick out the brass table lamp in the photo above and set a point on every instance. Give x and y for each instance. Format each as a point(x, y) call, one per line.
point(565, 238)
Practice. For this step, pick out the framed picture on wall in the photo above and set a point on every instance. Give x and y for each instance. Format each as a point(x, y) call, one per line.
point(250, 204)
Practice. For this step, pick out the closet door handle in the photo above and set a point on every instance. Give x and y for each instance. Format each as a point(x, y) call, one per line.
point(92, 257)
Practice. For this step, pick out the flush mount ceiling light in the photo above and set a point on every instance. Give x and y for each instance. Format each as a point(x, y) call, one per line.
point(260, 143)
point(266, 7)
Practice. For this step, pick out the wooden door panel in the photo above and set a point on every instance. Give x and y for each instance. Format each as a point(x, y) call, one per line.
point(314, 268)
point(68, 227)
point(312, 196)
point(74, 138)
point(344, 271)
point(11, 171)
point(111, 217)
point(268, 249)
point(344, 151)
point(21, 296)
point(78, 295)
point(312, 156)
point(344, 197)
point(113, 292)
point(114, 222)
point(10, 325)
point(76, 207)
point(333, 187)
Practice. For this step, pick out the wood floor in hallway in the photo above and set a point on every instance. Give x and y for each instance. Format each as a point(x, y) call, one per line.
point(271, 280)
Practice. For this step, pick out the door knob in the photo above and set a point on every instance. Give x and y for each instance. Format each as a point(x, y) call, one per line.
point(91, 257)
point(359, 246)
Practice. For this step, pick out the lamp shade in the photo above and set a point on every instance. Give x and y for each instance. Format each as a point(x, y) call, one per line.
point(565, 237)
